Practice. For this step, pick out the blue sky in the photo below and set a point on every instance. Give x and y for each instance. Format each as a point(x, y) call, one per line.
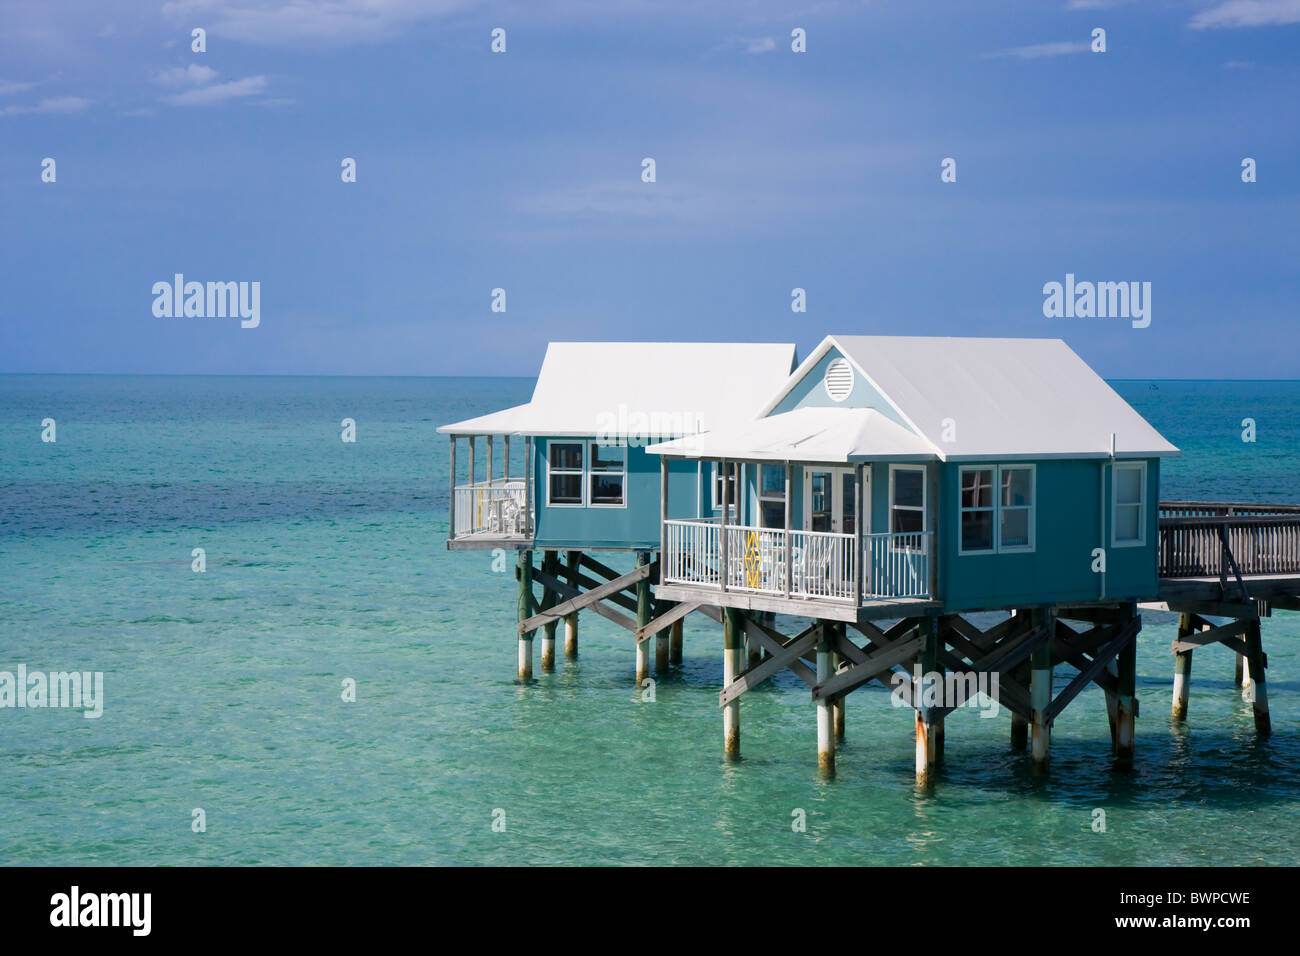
point(522, 170)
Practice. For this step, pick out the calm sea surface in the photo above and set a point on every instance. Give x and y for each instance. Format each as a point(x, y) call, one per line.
point(326, 561)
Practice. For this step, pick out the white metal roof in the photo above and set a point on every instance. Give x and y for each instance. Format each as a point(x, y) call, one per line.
point(818, 434)
point(989, 397)
point(651, 389)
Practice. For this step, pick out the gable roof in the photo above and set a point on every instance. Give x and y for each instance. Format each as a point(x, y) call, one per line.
point(817, 434)
point(674, 387)
point(1006, 398)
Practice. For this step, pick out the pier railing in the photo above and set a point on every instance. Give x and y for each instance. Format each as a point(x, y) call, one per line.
point(1219, 540)
point(814, 565)
point(496, 508)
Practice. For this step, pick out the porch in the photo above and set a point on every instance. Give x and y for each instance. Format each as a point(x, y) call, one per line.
point(487, 510)
point(813, 567)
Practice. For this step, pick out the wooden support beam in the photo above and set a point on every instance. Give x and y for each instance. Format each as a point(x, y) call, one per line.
point(1092, 669)
point(782, 657)
point(671, 616)
point(579, 600)
point(773, 643)
point(891, 679)
point(868, 667)
point(837, 705)
point(1229, 634)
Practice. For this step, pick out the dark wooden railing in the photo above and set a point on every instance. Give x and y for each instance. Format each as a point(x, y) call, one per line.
point(1217, 539)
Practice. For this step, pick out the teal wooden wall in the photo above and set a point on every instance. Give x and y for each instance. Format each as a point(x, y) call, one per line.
point(1068, 527)
point(635, 526)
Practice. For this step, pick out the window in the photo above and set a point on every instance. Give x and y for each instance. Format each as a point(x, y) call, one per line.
point(976, 510)
point(906, 499)
point(1128, 525)
point(731, 486)
point(771, 496)
point(997, 508)
point(564, 473)
point(608, 474)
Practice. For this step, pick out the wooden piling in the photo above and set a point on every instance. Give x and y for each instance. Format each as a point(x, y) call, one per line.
point(1239, 677)
point(1126, 699)
point(1019, 732)
point(1257, 691)
point(550, 564)
point(571, 620)
point(1040, 694)
point(825, 719)
point(923, 692)
point(1182, 669)
point(525, 574)
point(675, 643)
point(837, 707)
point(643, 613)
point(732, 651)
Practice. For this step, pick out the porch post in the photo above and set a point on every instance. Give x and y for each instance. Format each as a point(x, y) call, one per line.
point(471, 459)
point(490, 462)
point(857, 538)
point(661, 639)
point(528, 485)
point(451, 498)
point(789, 550)
point(722, 530)
point(506, 459)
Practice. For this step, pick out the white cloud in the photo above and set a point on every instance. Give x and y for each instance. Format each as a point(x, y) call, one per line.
point(1039, 50)
point(218, 93)
point(1094, 4)
point(7, 87)
point(54, 104)
point(192, 75)
point(758, 44)
point(1248, 13)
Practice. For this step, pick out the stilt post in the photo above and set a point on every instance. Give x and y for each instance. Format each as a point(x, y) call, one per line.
point(1182, 669)
point(1257, 691)
point(732, 649)
point(571, 620)
point(525, 574)
point(923, 697)
point(825, 720)
point(675, 643)
point(550, 564)
point(1126, 699)
point(1040, 694)
point(643, 612)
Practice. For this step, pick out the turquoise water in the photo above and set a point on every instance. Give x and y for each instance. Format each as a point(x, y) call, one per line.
point(326, 561)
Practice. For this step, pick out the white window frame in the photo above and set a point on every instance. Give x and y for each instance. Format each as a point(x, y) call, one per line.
point(589, 480)
point(715, 484)
point(580, 472)
point(925, 498)
point(1032, 508)
point(992, 509)
point(1142, 504)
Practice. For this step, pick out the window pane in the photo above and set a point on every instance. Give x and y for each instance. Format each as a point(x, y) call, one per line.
point(566, 489)
point(566, 454)
point(1127, 525)
point(977, 488)
point(773, 515)
point(773, 481)
point(606, 489)
point(905, 521)
point(1128, 485)
point(909, 488)
point(1015, 527)
point(976, 530)
point(607, 459)
point(1017, 487)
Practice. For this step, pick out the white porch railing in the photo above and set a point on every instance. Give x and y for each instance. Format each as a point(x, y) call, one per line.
point(822, 565)
point(496, 508)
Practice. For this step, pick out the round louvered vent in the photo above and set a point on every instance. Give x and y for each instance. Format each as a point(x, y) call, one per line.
point(839, 380)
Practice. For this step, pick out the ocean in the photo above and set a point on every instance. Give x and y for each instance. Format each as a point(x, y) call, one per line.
point(326, 563)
